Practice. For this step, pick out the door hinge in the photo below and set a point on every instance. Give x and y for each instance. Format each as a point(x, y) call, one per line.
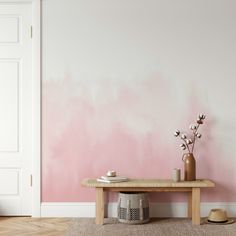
point(31, 180)
point(31, 31)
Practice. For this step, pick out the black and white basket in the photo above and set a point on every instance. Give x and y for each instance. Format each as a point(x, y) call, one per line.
point(133, 207)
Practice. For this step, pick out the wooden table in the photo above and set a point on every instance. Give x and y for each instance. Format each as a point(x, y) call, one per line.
point(151, 185)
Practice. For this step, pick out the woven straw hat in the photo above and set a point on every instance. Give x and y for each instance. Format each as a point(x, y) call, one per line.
point(218, 216)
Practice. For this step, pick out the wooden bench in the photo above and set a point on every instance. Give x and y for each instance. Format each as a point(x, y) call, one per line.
point(151, 185)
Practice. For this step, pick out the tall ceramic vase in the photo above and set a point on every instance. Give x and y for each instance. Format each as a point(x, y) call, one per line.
point(189, 167)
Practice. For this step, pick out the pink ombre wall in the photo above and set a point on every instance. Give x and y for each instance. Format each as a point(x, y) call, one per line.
point(120, 76)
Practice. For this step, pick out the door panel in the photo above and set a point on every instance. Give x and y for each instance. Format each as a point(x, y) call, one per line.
point(9, 90)
point(10, 187)
point(15, 109)
point(9, 29)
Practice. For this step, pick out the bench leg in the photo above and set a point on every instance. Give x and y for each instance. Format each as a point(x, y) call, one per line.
point(190, 205)
point(196, 206)
point(99, 206)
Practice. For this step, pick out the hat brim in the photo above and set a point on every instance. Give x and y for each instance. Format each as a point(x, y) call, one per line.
point(229, 221)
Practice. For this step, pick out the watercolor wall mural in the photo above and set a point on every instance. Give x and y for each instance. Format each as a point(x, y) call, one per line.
point(120, 76)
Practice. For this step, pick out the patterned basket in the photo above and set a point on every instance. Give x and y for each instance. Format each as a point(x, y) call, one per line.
point(133, 207)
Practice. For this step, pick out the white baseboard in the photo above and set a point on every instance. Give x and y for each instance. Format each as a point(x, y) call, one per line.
point(87, 209)
point(67, 209)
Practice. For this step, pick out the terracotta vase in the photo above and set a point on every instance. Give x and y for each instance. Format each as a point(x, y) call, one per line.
point(189, 167)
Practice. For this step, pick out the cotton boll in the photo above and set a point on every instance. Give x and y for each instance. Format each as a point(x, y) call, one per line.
point(202, 117)
point(176, 133)
point(198, 135)
point(193, 127)
point(189, 141)
point(183, 146)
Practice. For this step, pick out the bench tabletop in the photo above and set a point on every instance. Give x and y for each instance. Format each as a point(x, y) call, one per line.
point(149, 183)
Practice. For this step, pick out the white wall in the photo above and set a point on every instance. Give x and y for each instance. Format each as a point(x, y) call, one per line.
point(188, 44)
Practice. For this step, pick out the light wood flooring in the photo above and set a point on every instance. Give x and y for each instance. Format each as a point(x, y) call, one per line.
point(27, 226)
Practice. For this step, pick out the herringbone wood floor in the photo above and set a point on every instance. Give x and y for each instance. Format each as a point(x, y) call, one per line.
point(27, 226)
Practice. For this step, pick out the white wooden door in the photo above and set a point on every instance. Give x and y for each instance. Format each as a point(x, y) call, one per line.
point(15, 109)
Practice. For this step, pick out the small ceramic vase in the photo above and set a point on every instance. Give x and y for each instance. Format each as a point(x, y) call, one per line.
point(189, 167)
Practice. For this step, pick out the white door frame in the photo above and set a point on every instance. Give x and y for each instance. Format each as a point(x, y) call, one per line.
point(36, 107)
point(36, 127)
